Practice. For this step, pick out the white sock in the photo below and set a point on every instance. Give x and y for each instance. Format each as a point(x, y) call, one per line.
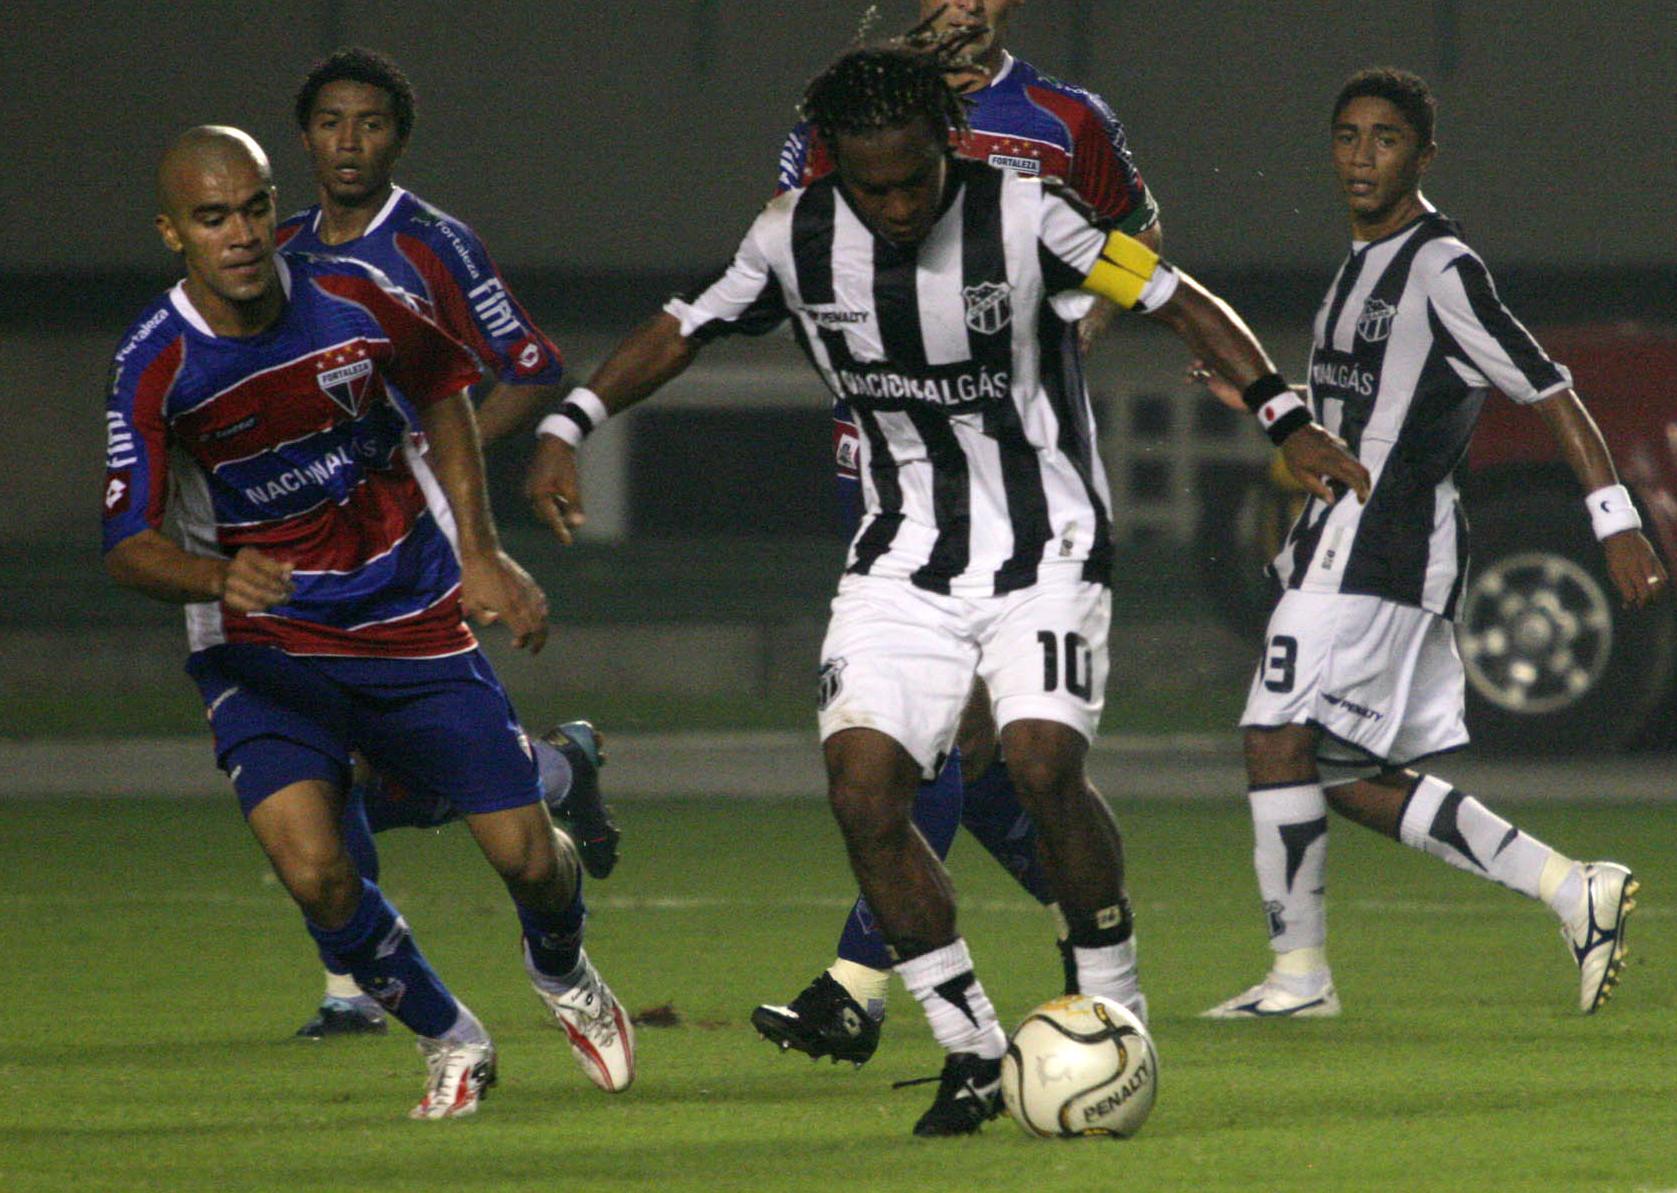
point(342, 986)
point(956, 1006)
point(868, 986)
point(1290, 855)
point(466, 1030)
point(1303, 972)
point(1444, 822)
point(1109, 970)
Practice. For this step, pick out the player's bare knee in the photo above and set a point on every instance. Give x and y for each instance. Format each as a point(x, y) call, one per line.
point(865, 812)
point(1049, 786)
point(1283, 754)
point(325, 885)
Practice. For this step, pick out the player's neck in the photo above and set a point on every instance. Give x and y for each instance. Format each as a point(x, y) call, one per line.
point(1381, 224)
point(341, 223)
point(226, 317)
point(982, 73)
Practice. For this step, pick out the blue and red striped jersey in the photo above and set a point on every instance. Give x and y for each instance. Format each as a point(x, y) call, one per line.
point(439, 263)
point(291, 441)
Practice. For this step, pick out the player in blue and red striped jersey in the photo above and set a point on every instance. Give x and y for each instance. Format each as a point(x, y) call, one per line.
point(355, 110)
point(274, 406)
point(1019, 119)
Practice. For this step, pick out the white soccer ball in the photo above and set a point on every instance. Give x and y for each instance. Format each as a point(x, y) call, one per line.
point(1080, 1065)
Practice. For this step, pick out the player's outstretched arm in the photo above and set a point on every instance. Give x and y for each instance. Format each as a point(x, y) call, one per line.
point(493, 587)
point(654, 353)
point(509, 408)
point(1218, 336)
point(250, 582)
point(1636, 570)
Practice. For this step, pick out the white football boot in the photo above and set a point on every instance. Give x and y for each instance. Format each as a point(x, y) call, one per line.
point(1596, 933)
point(602, 1038)
point(1269, 999)
point(458, 1076)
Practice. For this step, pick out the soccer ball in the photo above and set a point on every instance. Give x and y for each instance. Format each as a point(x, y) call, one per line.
point(1080, 1065)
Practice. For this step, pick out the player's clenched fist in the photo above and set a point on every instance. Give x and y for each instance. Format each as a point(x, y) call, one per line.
point(1315, 457)
point(256, 582)
point(494, 588)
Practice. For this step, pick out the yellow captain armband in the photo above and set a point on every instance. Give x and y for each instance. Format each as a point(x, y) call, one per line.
point(1123, 270)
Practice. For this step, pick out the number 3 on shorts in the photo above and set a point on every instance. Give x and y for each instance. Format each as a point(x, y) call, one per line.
point(1080, 672)
point(1281, 662)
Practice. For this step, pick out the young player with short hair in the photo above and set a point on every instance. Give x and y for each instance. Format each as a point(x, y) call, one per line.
point(325, 607)
point(355, 111)
point(929, 291)
point(1360, 679)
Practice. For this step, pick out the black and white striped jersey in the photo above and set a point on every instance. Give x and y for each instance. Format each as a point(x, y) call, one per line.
point(1408, 342)
point(959, 358)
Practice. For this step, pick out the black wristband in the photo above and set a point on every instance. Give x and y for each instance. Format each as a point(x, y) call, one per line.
point(1262, 390)
point(1287, 424)
point(577, 415)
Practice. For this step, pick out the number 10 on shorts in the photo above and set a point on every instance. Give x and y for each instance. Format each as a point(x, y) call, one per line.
point(1079, 664)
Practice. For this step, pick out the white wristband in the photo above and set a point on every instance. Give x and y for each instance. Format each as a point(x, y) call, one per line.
point(578, 416)
point(561, 427)
point(1611, 511)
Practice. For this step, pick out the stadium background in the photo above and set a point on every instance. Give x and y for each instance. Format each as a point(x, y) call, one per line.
point(610, 153)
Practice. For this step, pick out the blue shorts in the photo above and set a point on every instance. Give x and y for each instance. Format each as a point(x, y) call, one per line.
point(442, 727)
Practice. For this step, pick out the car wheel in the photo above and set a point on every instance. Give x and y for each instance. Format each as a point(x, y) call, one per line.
point(1554, 663)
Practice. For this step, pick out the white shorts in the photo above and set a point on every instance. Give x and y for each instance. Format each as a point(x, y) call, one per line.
point(901, 660)
point(1382, 680)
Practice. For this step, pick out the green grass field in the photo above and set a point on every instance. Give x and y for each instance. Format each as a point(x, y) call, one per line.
point(152, 973)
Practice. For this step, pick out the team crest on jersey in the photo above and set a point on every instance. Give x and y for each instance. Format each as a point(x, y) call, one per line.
point(989, 307)
point(831, 682)
point(347, 384)
point(1375, 323)
point(1009, 161)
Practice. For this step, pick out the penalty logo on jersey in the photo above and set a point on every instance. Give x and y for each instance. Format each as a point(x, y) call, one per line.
point(1375, 323)
point(989, 307)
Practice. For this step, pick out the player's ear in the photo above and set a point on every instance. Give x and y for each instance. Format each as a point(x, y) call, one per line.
point(1424, 162)
point(166, 229)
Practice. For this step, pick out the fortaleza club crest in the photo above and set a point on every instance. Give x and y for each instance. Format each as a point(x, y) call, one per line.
point(989, 307)
point(347, 383)
point(1375, 323)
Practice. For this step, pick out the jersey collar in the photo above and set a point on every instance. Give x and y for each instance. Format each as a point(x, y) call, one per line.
point(1007, 69)
point(184, 308)
point(396, 195)
point(1427, 211)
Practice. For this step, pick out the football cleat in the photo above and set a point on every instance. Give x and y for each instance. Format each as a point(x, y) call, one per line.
point(602, 1038)
point(580, 810)
point(969, 1094)
point(457, 1077)
point(342, 1017)
point(823, 1020)
point(1270, 1000)
point(1596, 935)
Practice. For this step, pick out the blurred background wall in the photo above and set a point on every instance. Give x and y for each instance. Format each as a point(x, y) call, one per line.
point(609, 151)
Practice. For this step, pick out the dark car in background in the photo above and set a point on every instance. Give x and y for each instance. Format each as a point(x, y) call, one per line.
point(1554, 663)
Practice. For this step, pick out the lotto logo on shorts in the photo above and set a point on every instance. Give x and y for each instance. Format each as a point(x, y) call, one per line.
point(831, 682)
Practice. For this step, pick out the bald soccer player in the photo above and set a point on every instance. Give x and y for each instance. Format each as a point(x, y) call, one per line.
point(254, 402)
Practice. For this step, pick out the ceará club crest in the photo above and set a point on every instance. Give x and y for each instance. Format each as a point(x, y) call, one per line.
point(989, 306)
